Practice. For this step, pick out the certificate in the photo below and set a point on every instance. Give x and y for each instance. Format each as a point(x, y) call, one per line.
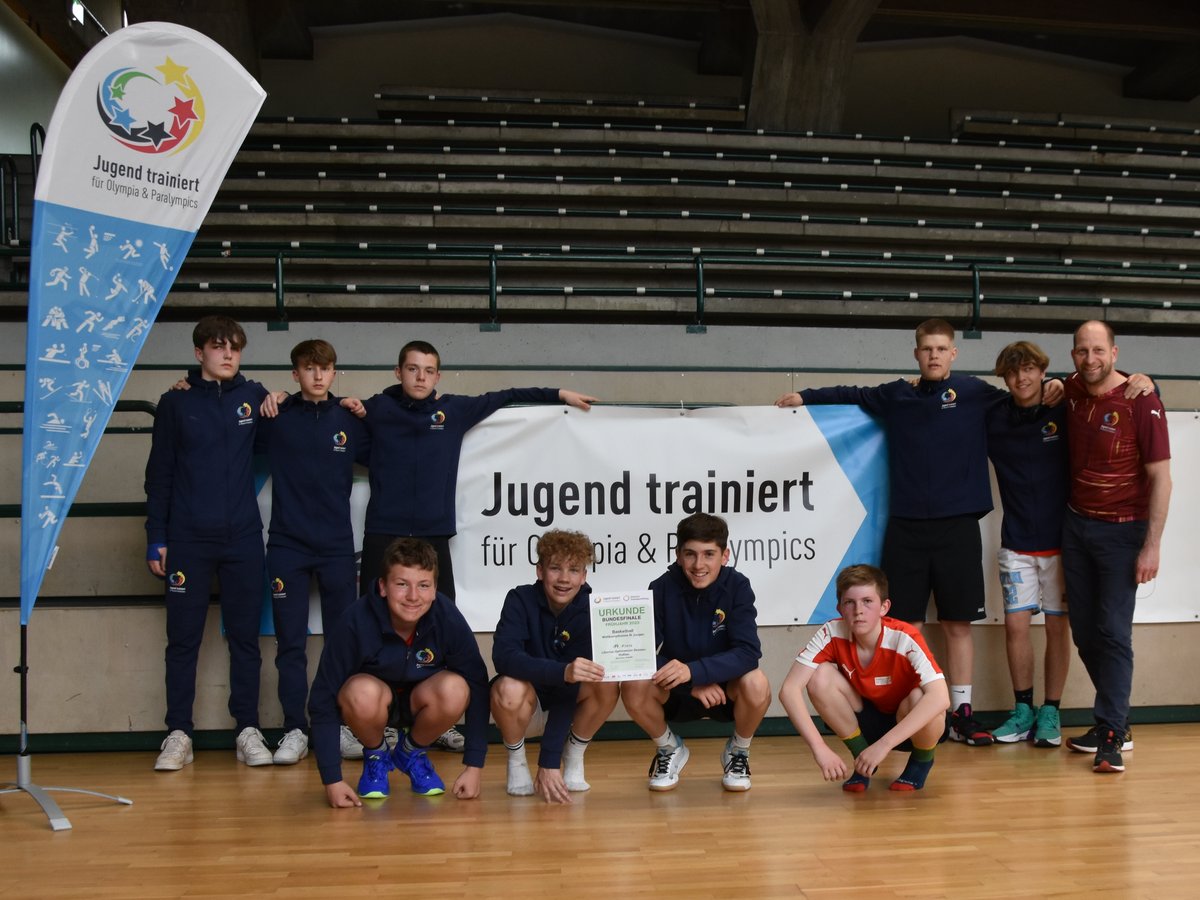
point(623, 635)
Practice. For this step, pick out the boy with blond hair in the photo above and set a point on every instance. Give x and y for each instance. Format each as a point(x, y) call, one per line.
point(546, 682)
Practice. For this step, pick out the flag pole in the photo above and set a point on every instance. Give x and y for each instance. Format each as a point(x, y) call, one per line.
point(24, 782)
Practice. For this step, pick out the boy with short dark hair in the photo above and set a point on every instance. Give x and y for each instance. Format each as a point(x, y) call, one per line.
point(874, 682)
point(546, 682)
point(417, 438)
point(202, 518)
point(401, 656)
point(311, 446)
point(706, 630)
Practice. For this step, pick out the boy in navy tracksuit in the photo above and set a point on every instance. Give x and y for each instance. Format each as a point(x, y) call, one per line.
point(401, 655)
point(932, 542)
point(708, 650)
point(311, 446)
point(416, 442)
point(202, 517)
point(546, 682)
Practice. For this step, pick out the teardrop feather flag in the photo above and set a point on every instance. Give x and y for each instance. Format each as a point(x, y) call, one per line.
point(138, 145)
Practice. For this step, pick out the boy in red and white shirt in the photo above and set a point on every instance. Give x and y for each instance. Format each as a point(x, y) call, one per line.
point(874, 682)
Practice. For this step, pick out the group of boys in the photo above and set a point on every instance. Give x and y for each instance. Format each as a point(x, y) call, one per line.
point(403, 657)
point(203, 518)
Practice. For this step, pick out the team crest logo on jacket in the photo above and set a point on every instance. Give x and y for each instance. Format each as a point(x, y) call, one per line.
point(561, 639)
point(175, 582)
point(277, 589)
point(424, 657)
point(245, 413)
point(718, 622)
point(438, 419)
point(1050, 432)
point(339, 442)
point(949, 397)
point(1111, 419)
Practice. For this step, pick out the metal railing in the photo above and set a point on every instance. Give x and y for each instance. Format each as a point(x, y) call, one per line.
point(701, 268)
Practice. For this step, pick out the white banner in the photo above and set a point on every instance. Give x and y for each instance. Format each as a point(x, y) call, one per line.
point(804, 492)
point(801, 489)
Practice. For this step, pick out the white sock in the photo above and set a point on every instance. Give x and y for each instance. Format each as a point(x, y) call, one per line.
point(959, 694)
point(576, 746)
point(517, 749)
point(666, 739)
point(740, 742)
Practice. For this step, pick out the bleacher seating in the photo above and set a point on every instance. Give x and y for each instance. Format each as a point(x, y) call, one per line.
point(675, 214)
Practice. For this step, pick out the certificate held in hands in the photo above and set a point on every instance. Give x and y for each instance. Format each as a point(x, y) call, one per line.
point(623, 635)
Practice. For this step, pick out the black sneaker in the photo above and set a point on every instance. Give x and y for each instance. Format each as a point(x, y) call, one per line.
point(965, 730)
point(1108, 755)
point(1090, 741)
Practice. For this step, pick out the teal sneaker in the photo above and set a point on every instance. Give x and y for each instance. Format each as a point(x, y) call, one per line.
point(420, 771)
point(1017, 726)
point(373, 783)
point(1048, 731)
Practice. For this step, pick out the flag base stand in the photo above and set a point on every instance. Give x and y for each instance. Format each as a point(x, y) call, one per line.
point(24, 782)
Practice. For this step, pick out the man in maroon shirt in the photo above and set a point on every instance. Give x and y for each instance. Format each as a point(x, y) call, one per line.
point(1120, 489)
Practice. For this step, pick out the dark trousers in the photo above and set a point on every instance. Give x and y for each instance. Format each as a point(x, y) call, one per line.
point(238, 566)
point(291, 574)
point(371, 564)
point(1099, 562)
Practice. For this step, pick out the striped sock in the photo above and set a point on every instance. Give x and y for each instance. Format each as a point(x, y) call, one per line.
point(915, 772)
point(856, 744)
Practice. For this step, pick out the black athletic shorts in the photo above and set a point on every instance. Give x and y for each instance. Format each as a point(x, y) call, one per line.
point(681, 706)
point(400, 714)
point(942, 556)
point(875, 724)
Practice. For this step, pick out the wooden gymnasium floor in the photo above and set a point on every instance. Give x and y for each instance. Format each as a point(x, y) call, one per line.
point(994, 822)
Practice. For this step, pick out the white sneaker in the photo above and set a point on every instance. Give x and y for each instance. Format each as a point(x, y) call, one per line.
point(252, 749)
point(451, 740)
point(293, 747)
point(391, 737)
point(668, 762)
point(176, 752)
point(350, 745)
point(572, 770)
point(736, 764)
point(520, 782)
